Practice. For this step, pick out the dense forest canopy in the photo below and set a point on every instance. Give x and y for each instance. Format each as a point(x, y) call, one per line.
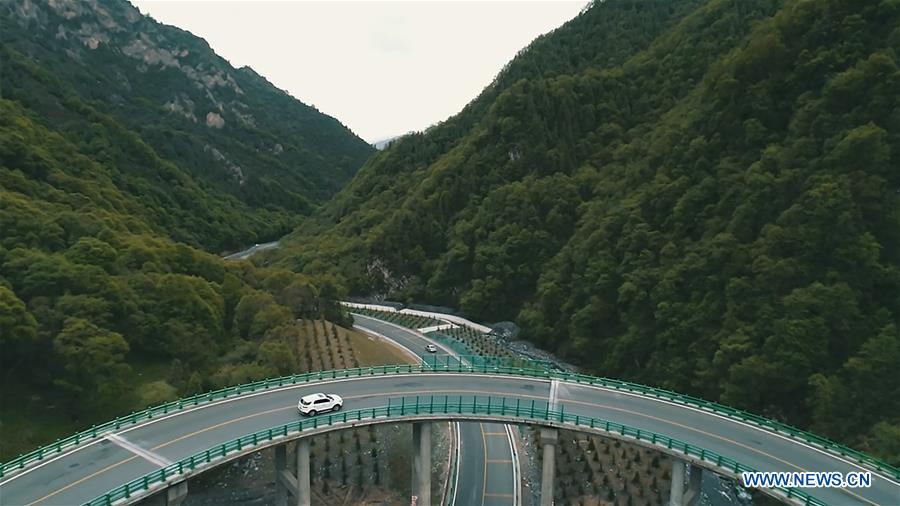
point(700, 195)
point(238, 159)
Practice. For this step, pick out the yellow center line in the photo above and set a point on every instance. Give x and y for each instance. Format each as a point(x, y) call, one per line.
point(495, 434)
point(496, 494)
point(216, 426)
point(74, 483)
point(107, 468)
point(498, 461)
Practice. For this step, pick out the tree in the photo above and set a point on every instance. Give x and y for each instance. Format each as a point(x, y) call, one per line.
point(884, 438)
point(250, 304)
point(18, 330)
point(92, 251)
point(93, 360)
point(278, 355)
point(301, 297)
point(268, 318)
point(232, 291)
point(155, 393)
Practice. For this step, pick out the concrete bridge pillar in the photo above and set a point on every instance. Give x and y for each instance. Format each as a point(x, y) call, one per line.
point(172, 496)
point(678, 496)
point(281, 492)
point(304, 494)
point(692, 495)
point(549, 437)
point(176, 494)
point(287, 484)
point(676, 492)
point(421, 468)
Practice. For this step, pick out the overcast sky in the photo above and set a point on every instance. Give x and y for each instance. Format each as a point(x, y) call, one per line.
point(381, 68)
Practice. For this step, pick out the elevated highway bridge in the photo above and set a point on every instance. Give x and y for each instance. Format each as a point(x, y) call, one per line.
point(155, 451)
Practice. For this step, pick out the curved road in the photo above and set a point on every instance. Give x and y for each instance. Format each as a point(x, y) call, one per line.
point(247, 253)
point(90, 469)
point(486, 473)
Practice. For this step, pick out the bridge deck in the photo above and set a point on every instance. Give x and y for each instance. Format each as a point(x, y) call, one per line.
point(90, 469)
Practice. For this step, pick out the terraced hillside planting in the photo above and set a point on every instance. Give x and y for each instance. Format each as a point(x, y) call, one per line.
point(595, 471)
point(402, 319)
point(348, 466)
point(460, 338)
point(479, 342)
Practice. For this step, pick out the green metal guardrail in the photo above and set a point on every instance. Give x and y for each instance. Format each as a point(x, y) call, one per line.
point(432, 405)
point(483, 363)
point(437, 364)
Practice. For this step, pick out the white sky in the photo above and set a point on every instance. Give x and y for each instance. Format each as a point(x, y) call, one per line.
point(381, 68)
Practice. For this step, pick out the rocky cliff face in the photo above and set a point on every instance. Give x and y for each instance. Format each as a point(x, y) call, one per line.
point(81, 27)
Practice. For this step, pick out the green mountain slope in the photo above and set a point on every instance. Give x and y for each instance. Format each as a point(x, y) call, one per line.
point(101, 312)
point(256, 156)
point(706, 200)
point(112, 184)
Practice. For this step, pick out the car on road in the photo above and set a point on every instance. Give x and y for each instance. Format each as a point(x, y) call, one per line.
point(313, 404)
point(431, 348)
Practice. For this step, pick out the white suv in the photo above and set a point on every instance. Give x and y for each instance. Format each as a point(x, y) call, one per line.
point(319, 403)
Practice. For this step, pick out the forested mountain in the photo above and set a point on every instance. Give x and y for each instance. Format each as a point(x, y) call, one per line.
point(127, 148)
point(101, 312)
point(700, 195)
point(217, 155)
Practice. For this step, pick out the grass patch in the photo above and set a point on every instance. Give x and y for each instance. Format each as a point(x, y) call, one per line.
point(372, 351)
point(28, 422)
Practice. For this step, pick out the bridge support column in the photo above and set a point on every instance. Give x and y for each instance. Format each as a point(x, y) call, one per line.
point(692, 495)
point(286, 483)
point(676, 492)
point(281, 491)
point(172, 496)
point(549, 438)
point(176, 494)
point(304, 496)
point(421, 468)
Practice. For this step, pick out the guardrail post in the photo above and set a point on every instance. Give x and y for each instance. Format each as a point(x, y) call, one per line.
point(421, 468)
point(548, 441)
point(676, 492)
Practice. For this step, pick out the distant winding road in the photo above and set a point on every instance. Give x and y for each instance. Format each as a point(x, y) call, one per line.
point(247, 253)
